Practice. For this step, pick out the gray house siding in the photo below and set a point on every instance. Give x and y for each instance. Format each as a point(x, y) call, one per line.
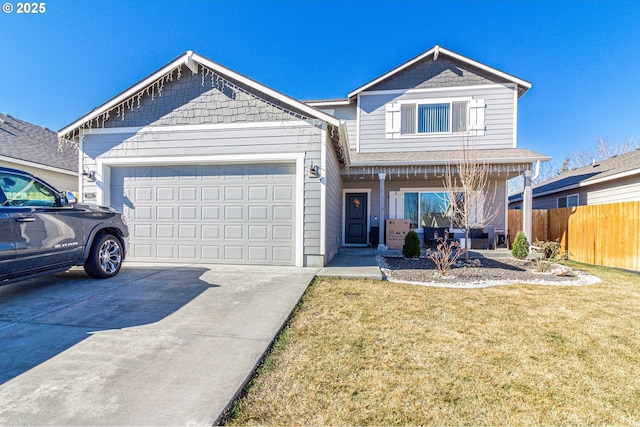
point(333, 203)
point(625, 190)
point(621, 190)
point(349, 114)
point(499, 120)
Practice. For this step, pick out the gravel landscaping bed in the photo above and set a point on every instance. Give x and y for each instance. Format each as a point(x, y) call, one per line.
point(492, 272)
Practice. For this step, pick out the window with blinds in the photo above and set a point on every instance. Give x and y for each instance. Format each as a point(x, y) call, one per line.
point(443, 117)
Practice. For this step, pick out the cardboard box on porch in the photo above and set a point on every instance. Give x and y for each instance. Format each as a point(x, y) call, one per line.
point(395, 232)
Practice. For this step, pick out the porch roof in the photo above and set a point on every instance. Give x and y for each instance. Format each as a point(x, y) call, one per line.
point(443, 157)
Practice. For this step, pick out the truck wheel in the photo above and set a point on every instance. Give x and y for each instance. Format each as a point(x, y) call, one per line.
point(105, 258)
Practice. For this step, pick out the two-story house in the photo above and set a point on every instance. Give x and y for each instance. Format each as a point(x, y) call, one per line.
point(211, 166)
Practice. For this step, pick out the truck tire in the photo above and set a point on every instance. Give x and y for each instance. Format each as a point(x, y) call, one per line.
point(105, 257)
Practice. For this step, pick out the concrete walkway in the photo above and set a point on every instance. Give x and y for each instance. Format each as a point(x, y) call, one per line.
point(357, 264)
point(157, 345)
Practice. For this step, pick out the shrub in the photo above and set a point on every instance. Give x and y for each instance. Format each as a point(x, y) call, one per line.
point(445, 255)
point(550, 250)
point(411, 248)
point(520, 248)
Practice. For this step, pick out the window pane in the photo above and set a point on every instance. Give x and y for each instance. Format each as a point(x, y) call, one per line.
point(562, 202)
point(411, 209)
point(433, 118)
point(459, 117)
point(434, 209)
point(408, 119)
point(572, 200)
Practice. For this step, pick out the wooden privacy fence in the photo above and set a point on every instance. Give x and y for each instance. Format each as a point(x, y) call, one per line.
point(607, 235)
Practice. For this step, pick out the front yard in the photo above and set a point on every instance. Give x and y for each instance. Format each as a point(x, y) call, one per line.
point(362, 352)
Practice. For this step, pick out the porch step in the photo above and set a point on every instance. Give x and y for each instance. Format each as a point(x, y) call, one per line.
point(354, 251)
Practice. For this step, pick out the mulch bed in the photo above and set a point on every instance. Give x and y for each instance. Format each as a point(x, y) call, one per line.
point(494, 271)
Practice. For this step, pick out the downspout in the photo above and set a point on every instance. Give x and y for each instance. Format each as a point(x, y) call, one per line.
point(537, 172)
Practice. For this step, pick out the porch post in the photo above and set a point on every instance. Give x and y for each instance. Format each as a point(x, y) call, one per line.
point(527, 206)
point(381, 246)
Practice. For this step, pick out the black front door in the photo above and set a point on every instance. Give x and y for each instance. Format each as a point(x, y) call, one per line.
point(356, 218)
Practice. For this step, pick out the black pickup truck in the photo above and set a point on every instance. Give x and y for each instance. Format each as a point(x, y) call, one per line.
point(43, 231)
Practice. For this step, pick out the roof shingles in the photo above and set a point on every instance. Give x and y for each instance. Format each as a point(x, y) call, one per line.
point(31, 143)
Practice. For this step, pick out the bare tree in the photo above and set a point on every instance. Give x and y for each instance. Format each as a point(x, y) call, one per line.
point(603, 149)
point(471, 195)
point(547, 171)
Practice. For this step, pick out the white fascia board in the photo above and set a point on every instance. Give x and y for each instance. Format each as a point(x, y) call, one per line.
point(437, 162)
point(192, 160)
point(334, 103)
point(611, 177)
point(323, 193)
point(313, 112)
point(38, 165)
point(450, 54)
point(438, 89)
point(186, 59)
point(358, 124)
point(196, 128)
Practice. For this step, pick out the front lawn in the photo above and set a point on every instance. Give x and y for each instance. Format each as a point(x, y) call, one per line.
point(363, 352)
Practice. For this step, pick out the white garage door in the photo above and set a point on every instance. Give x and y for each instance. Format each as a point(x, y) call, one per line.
point(210, 213)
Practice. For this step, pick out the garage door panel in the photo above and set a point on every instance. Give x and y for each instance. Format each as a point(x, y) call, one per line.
point(234, 213)
point(186, 213)
point(210, 232)
point(188, 194)
point(211, 193)
point(258, 232)
point(165, 231)
point(209, 213)
point(258, 213)
point(282, 213)
point(233, 193)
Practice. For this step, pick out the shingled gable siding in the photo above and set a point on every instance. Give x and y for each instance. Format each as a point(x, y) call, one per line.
point(187, 102)
point(443, 72)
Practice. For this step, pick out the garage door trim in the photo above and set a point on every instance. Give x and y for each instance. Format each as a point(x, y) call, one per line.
point(103, 195)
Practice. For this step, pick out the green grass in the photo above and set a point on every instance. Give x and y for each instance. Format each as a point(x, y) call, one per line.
point(363, 352)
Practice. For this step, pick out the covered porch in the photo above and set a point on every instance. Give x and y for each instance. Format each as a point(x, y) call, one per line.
point(416, 194)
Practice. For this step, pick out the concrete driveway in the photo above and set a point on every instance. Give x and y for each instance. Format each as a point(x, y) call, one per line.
point(156, 345)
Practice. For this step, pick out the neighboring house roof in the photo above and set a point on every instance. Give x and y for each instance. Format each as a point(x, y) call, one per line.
point(436, 51)
point(511, 155)
point(191, 60)
point(616, 167)
point(34, 145)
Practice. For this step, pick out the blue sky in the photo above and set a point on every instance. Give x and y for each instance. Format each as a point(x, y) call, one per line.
point(582, 57)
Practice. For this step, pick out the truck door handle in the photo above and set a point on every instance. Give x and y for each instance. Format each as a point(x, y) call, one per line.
point(26, 219)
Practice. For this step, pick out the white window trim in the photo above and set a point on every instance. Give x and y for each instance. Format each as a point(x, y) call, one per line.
point(400, 212)
point(577, 195)
point(428, 101)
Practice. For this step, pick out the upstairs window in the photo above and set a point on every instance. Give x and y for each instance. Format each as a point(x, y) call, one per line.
point(405, 119)
point(433, 118)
